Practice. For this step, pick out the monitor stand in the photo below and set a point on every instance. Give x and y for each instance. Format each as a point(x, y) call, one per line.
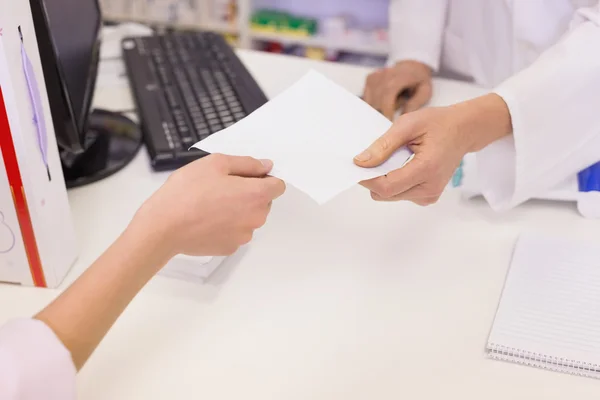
point(112, 141)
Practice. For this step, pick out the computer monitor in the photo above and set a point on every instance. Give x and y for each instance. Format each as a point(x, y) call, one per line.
point(92, 145)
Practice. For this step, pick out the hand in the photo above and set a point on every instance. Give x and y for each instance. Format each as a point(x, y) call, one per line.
point(386, 87)
point(211, 206)
point(439, 138)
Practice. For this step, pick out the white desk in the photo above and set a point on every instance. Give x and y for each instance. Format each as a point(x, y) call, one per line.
point(352, 300)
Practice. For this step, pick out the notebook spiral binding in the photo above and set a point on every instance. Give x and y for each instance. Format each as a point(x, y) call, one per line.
point(543, 361)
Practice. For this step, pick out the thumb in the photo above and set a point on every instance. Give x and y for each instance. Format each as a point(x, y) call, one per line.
point(418, 99)
point(383, 148)
point(248, 167)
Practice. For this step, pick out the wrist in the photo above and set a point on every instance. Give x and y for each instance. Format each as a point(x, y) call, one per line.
point(150, 239)
point(482, 120)
point(416, 65)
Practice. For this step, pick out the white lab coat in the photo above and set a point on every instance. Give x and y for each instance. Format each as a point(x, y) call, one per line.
point(541, 56)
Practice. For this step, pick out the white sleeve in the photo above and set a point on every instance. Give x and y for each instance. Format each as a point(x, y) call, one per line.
point(34, 364)
point(555, 109)
point(416, 30)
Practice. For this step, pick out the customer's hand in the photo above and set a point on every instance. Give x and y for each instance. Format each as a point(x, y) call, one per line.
point(211, 206)
point(386, 88)
point(439, 138)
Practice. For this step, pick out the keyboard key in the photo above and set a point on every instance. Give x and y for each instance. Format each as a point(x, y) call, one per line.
point(203, 133)
point(239, 115)
point(227, 119)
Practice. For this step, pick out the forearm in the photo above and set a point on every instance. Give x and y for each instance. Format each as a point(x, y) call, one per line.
point(482, 120)
point(84, 313)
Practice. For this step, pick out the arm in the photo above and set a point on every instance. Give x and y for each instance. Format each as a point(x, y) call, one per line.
point(39, 357)
point(551, 108)
point(179, 218)
point(555, 108)
point(84, 313)
point(416, 30)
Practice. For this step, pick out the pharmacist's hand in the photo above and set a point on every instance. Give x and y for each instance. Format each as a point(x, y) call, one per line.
point(386, 88)
point(211, 206)
point(433, 135)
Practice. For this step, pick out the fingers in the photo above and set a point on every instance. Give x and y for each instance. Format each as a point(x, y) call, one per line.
point(367, 95)
point(388, 104)
point(383, 148)
point(398, 181)
point(419, 98)
point(372, 87)
point(393, 96)
point(417, 195)
point(273, 187)
point(244, 166)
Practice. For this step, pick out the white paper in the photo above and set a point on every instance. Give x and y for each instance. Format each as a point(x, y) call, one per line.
point(311, 132)
point(548, 314)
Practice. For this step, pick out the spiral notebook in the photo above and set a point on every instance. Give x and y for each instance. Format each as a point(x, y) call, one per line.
point(549, 313)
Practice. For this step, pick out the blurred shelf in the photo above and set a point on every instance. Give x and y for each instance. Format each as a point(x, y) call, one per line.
point(221, 27)
point(373, 49)
point(214, 26)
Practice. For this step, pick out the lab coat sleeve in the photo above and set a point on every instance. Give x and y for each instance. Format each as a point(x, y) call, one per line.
point(555, 110)
point(34, 364)
point(416, 30)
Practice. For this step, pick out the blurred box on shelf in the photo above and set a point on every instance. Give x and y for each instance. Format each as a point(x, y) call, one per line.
point(232, 40)
point(284, 23)
point(159, 11)
point(224, 11)
point(172, 11)
point(123, 9)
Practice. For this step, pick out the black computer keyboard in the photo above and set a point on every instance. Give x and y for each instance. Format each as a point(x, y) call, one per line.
point(187, 86)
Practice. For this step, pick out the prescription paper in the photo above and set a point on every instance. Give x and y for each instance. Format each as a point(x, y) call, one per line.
point(311, 132)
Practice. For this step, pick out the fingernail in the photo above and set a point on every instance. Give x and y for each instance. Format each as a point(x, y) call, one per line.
point(267, 163)
point(364, 156)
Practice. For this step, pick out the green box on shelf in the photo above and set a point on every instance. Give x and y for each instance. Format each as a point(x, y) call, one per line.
point(278, 21)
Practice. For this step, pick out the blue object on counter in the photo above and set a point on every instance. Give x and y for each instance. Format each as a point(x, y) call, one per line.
point(589, 179)
point(458, 175)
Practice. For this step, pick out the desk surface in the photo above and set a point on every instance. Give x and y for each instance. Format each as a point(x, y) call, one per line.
point(351, 300)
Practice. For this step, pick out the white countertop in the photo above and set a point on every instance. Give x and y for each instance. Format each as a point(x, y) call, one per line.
point(352, 300)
